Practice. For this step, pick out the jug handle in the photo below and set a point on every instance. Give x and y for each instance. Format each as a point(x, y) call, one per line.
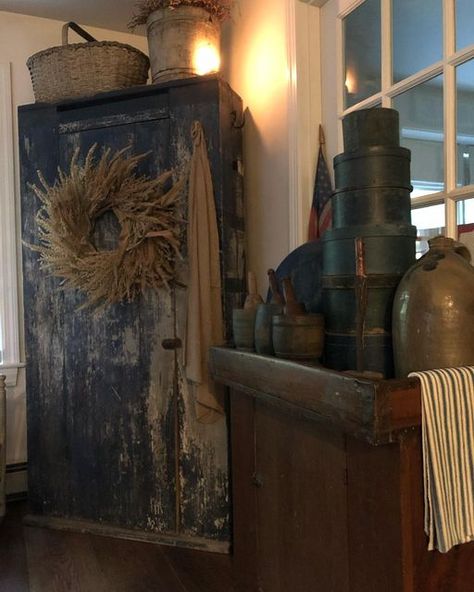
point(462, 250)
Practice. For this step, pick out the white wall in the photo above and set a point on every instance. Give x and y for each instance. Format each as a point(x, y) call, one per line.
point(20, 37)
point(255, 62)
point(271, 59)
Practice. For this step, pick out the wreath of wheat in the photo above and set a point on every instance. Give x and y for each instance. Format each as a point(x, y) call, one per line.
point(150, 228)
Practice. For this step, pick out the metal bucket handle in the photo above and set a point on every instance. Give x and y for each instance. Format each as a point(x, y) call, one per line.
point(79, 30)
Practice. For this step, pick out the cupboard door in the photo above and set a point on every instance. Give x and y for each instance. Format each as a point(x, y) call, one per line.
point(113, 385)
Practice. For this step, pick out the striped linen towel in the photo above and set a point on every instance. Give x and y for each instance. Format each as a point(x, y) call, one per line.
point(448, 455)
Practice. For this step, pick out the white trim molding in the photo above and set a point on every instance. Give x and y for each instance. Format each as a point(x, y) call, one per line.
point(8, 260)
point(304, 113)
point(294, 202)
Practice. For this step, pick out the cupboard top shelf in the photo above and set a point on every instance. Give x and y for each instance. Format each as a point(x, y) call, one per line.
point(142, 90)
point(375, 411)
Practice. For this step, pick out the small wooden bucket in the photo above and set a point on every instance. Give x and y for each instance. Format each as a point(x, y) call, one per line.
point(243, 327)
point(298, 337)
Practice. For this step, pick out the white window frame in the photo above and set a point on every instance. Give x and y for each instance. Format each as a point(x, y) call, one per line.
point(447, 66)
point(8, 244)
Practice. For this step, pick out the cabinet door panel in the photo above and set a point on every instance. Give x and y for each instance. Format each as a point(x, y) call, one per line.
point(117, 421)
point(300, 470)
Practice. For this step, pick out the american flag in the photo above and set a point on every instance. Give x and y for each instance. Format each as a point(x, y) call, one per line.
point(320, 218)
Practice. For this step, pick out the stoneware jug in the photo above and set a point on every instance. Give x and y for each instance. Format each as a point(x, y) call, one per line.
point(433, 310)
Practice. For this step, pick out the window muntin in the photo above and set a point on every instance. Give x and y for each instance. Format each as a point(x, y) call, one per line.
point(9, 323)
point(465, 123)
point(422, 131)
point(465, 223)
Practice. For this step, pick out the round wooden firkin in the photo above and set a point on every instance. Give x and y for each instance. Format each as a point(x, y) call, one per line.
point(298, 337)
point(243, 327)
point(174, 36)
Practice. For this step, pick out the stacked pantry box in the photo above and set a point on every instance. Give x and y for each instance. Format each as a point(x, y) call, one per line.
point(113, 441)
point(371, 244)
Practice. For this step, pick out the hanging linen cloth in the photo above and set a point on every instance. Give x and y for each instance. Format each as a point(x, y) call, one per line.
point(204, 326)
point(447, 398)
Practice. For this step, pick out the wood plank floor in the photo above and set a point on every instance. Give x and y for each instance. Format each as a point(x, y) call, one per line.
point(41, 560)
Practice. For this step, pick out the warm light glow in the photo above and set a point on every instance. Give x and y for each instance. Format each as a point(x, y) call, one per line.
point(265, 65)
point(351, 82)
point(206, 59)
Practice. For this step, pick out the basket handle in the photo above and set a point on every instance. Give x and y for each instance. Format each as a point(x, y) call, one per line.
point(79, 30)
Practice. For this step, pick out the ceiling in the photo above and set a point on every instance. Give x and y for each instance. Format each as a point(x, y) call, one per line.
point(109, 14)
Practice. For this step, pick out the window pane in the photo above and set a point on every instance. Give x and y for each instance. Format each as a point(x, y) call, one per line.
point(417, 35)
point(362, 58)
point(465, 211)
point(465, 123)
point(464, 23)
point(429, 222)
point(465, 221)
point(422, 131)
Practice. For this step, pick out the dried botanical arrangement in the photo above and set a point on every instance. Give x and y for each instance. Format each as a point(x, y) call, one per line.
point(221, 9)
point(150, 229)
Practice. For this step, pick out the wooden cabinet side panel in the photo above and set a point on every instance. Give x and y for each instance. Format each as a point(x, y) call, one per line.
point(232, 231)
point(203, 456)
point(43, 326)
point(374, 517)
point(428, 571)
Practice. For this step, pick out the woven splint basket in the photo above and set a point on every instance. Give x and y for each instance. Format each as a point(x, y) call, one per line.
point(84, 69)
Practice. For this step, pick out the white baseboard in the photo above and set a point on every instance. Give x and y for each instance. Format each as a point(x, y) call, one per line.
point(16, 482)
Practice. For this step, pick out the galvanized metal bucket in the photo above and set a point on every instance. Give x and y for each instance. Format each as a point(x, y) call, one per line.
point(174, 38)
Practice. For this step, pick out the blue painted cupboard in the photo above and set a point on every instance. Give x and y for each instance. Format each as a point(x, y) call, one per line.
point(113, 442)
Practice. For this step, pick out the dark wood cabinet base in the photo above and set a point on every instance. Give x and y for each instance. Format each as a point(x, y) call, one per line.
point(327, 489)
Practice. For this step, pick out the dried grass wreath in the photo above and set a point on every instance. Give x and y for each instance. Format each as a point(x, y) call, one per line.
point(149, 238)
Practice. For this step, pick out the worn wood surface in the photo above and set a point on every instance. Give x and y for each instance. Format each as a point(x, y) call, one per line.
point(42, 560)
point(373, 517)
point(372, 410)
point(301, 530)
point(245, 481)
point(112, 435)
point(13, 568)
point(317, 505)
